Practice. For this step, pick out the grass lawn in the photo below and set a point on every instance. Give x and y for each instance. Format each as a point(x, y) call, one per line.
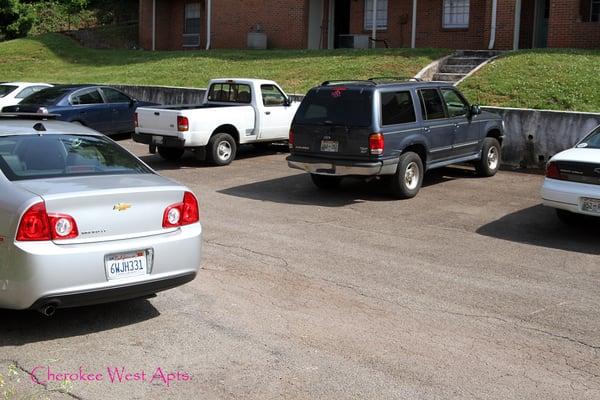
point(58, 59)
point(545, 79)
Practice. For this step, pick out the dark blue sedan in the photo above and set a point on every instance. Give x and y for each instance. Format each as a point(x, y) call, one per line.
point(102, 108)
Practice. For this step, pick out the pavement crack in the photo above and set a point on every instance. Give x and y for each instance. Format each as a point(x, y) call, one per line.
point(258, 253)
point(35, 380)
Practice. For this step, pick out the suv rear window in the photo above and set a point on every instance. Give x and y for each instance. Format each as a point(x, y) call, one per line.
point(336, 106)
point(25, 157)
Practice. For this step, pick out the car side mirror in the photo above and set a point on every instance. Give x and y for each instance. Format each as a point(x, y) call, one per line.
point(287, 102)
point(475, 109)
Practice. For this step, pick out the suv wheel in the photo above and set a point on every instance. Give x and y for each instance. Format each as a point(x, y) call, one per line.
point(408, 179)
point(489, 163)
point(170, 153)
point(222, 149)
point(326, 181)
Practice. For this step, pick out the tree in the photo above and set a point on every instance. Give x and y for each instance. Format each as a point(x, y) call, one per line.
point(16, 18)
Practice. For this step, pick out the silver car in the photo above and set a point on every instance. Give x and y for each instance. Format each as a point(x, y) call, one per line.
point(83, 221)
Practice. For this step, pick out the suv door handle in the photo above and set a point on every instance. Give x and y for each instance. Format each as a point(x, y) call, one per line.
point(427, 130)
point(268, 112)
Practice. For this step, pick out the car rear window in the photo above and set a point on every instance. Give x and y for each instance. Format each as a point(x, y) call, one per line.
point(230, 93)
point(591, 141)
point(26, 157)
point(6, 89)
point(336, 105)
point(46, 97)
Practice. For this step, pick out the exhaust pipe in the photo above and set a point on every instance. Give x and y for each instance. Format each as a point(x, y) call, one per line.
point(48, 310)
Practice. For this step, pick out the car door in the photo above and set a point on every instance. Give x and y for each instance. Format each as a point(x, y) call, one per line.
point(466, 135)
point(276, 115)
point(121, 109)
point(437, 129)
point(89, 109)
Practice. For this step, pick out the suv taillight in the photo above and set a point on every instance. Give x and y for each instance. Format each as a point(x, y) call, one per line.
point(291, 139)
point(376, 144)
point(184, 213)
point(135, 120)
point(37, 225)
point(183, 124)
point(552, 171)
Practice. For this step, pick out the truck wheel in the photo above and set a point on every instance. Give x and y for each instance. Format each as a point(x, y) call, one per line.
point(408, 179)
point(222, 149)
point(326, 181)
point(489, 163)
point(170, 153)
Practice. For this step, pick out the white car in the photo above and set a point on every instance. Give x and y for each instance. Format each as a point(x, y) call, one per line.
point(234, 112)
point(572, 183)
point(12, 93)
point(83, 221)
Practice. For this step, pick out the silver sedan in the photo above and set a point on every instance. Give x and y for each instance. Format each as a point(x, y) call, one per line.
point(83, 221)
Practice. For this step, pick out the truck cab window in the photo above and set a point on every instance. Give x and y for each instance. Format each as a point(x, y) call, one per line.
point(230, 93)
point(272, 96)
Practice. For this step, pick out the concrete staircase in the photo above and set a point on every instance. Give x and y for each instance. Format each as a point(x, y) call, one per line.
point(459, 64)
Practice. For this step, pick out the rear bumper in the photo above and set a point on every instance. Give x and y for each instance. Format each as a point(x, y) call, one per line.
point(567, 195)
point(158, 140)
point(320, 166)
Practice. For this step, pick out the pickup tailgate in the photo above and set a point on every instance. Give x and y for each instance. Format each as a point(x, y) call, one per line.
point(158, 121)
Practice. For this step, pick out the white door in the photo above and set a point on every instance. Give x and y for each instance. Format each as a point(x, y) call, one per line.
point(315, 19)
point(276, 115)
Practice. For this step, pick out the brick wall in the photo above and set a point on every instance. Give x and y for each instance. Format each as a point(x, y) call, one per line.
point(565, 28)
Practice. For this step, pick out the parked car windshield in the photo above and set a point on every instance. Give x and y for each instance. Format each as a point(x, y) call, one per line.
point(6, 89)
point(591, 141)
point(336, 105)
point(26, 157)
point(46, 97)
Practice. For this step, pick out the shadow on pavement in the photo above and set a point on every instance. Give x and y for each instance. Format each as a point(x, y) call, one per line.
point(298, 189)
point(539, 226)
point(21, 327)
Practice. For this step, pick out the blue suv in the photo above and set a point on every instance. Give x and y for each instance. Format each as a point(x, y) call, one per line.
point(389, 128)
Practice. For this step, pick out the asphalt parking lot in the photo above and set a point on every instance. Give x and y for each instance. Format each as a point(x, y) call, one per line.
point(472, 290)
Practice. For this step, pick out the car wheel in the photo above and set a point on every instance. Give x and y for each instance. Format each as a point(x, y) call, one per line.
point(222, 148)
point(489, 163)
point(326, 182)
point(408, 179)
point(170, 153)
point(567, 217)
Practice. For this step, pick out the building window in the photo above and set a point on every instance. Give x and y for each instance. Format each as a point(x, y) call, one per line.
point(595, 12)
point(191, 28)
point(382, 14)
point(456, 14)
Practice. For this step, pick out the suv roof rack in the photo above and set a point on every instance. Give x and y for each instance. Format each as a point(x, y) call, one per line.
point(395, 79)
point(25, 115)
point(341, 81)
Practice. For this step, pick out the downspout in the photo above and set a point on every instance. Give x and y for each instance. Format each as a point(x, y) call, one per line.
point(517, 30)
point(413, 37)
point(493, 25)
point(374, 27)
point(153, 25)
point(208, 22)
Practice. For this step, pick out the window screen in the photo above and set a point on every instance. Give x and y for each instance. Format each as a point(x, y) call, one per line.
point(382, 14)
point(431, 104)
point(456, 14)
point(397, 108)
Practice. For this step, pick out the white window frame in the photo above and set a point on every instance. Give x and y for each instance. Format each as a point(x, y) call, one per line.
point(382, 15)
point(456, 14)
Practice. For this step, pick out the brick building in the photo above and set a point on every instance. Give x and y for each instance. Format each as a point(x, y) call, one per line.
point(322, 24)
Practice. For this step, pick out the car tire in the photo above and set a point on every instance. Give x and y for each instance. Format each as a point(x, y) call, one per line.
point(326, 182)
point(170, 153)
point(222, 149)
point(407, 180)
point(491, 155)
point(567, 217)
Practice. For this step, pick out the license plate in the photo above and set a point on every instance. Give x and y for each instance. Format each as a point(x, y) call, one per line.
point(330, 146)
point(590, 205)
point(125, 265)
point(157, 139)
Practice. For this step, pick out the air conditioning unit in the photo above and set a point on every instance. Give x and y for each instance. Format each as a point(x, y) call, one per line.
point(353, 41)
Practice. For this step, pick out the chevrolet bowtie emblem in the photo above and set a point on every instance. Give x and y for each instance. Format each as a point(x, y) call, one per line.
point(122, 207)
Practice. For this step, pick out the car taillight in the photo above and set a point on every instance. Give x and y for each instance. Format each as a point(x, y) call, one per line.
point(291, 139)
point(184, 213)
point(376, 144)
point(552, 171)
point(135, 120)
point(183, 124)
point(37, 225)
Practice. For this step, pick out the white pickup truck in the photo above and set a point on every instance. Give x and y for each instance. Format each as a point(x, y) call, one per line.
point(234, 112)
